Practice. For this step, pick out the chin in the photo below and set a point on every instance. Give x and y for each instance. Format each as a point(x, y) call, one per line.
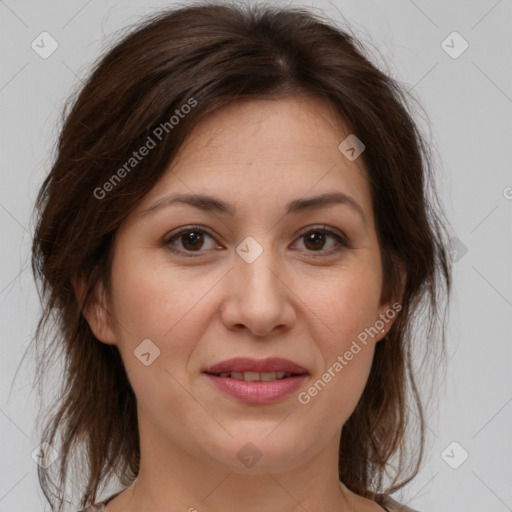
point(259, 454)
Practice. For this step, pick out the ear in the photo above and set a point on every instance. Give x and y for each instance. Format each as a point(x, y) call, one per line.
point(390, 308)
point(96, 311)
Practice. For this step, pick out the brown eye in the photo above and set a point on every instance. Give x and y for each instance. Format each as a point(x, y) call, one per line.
point(316, 239)
point(194, 239)
point(190, 240)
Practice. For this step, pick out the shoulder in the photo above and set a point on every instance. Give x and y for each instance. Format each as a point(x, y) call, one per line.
point(101, 505)
point(393, 506)
point(98, 507)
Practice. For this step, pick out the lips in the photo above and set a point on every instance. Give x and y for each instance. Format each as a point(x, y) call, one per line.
point(257, 381)
point(246, 364)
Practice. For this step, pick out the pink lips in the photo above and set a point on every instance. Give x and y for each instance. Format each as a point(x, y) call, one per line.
point(257, 391)
point(247, 364)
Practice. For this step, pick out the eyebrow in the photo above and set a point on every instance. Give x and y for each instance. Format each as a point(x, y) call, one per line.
point(208, 203)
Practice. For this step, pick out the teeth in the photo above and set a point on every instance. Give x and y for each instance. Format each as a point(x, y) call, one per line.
point(256, 376)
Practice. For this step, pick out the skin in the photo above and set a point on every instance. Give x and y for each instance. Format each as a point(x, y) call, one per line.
point(257, 155)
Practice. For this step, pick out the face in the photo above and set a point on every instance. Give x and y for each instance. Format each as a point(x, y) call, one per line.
point(248, 276)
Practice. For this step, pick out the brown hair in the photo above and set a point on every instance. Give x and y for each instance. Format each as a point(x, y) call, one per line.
point(217, 53)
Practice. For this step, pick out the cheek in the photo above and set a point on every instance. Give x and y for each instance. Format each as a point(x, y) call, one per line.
point(151, 300)
point(168, 308)
point(343, 308)
point(345, 303)
point(347, 353)
point(339, 388)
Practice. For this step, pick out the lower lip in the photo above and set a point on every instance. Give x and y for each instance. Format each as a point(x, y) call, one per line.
point(258, 392)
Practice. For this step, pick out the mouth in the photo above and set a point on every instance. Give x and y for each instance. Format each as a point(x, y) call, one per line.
point(257, 391)
point(246, 368)
point(257, 381)
point(256, 376)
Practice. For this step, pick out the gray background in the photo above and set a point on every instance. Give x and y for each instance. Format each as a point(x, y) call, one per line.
point(468, 100)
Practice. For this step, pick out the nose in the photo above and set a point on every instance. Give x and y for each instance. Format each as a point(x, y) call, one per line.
point(257, 296)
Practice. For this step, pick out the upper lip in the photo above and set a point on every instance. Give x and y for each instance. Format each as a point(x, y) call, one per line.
point(247, 364)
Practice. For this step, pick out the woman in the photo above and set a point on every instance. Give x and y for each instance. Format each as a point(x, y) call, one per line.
point(237, 238)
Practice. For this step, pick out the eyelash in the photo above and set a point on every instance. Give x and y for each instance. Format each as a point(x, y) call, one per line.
point(341, 240)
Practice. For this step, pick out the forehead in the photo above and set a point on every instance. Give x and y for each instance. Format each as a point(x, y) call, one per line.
point(273, 151)
point(284, 129)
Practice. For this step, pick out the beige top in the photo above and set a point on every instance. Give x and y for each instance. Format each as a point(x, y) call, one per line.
point(389, 504)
